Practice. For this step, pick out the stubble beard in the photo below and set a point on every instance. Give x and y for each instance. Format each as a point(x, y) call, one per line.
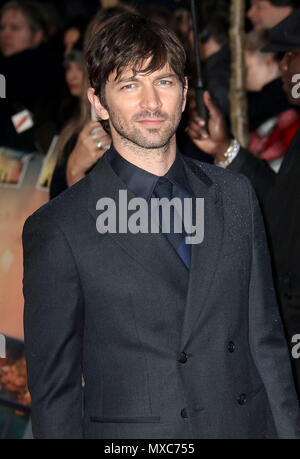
point(153, 139)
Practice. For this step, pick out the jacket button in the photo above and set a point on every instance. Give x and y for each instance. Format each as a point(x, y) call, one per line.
point(231, 346)
point(184, 414)
point(182, 357)
point(242, 399)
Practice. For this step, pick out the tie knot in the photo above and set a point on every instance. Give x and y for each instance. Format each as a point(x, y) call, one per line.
point(163, 188)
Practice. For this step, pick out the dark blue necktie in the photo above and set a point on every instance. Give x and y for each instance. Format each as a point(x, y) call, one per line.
point(164, 189)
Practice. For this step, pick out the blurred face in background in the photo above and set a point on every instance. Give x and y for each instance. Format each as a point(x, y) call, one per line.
point(70, 37)
point(185, 22)
point(261, 69)
point(264, 15)
point(15, 33)
point(74, 78)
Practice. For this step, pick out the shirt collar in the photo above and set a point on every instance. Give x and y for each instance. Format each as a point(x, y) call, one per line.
point(141, 182)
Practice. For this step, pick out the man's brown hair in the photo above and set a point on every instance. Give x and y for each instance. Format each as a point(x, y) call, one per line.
point(128, 40)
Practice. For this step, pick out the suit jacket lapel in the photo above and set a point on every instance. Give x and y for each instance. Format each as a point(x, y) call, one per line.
point(204, 256)
point(152, 251)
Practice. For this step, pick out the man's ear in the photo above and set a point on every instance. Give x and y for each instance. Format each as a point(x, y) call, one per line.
point(185, 90)
point(94, 100)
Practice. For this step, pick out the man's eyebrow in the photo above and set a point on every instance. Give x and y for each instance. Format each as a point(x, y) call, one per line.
point(126, 80)
point(166, 75)
point(133, 78)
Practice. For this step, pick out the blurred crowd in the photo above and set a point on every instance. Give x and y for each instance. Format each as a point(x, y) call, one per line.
point(42, 58)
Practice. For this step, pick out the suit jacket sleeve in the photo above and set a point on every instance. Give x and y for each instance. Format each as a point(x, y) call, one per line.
point(258, 171)
point(266, 336)
point(53, 321)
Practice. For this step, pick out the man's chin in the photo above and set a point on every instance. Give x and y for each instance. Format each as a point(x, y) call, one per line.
point(148, 144)
point(152, 139)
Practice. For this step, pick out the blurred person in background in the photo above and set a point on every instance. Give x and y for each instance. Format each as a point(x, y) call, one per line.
point(215, 54)
point(19, 30)
point(184, 29)
point(83, 139)
point(265, 14)
point(74, 69)
point(74, 74)
point(54, 19)
point(74, 30)
point(33, 78)
point(184, 21)
point(70, 37)
point(273, 122)
point(55, 23)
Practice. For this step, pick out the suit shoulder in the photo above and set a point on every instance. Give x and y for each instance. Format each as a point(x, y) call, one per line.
point(225, 178)
point(65, 204)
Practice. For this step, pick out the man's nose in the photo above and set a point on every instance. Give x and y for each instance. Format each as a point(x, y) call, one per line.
point(150, 98)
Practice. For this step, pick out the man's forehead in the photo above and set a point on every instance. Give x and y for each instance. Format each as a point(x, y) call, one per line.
point(140, 71)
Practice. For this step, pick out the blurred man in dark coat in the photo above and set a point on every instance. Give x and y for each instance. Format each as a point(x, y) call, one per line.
point(33, 78)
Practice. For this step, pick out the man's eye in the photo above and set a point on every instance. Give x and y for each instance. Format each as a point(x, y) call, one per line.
point(165, 82)
point(128, 86)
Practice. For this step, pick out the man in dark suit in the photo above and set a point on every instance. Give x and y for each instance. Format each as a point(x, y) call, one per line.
point(279, 193)
point(172, 340)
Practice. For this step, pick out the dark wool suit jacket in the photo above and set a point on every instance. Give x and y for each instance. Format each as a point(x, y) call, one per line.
point(164, 352)
point(280, 197)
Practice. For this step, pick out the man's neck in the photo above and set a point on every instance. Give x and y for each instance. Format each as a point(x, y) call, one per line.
point(157, 161)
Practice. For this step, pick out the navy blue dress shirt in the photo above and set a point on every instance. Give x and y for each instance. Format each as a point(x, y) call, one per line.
point(142, 184)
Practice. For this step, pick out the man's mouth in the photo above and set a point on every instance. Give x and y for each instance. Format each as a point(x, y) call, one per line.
point(151, 122)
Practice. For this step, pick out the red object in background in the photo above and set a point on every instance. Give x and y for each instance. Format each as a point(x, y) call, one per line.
point(273, 138)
